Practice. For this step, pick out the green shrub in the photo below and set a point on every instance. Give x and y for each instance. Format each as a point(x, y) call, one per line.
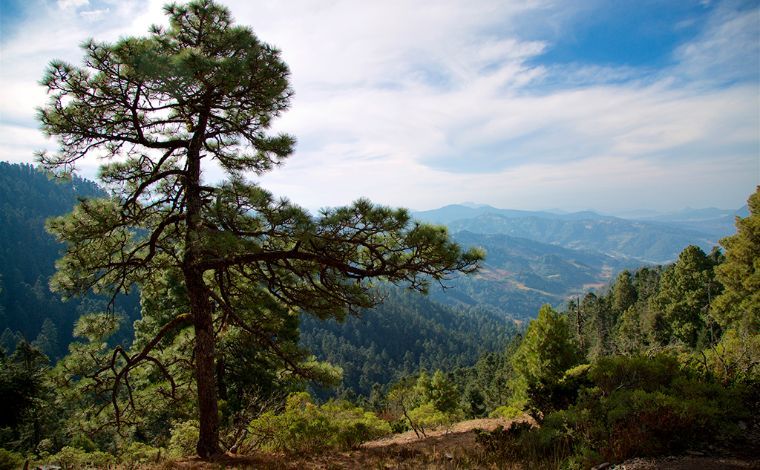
point(506, 412)
point(632, 406)
point(306, 427)
point(352, 425)
point(735, 359)
point(10, 460)
point(138, 453)
point(81, 441)
point(428, 416)
point(184, 438)
point(634, 372)
point(543, 396)
point(74, 458)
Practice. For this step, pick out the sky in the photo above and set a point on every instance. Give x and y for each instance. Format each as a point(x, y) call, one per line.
point(525, 104)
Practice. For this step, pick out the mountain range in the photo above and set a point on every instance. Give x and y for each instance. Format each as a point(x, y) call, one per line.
point(652, 240)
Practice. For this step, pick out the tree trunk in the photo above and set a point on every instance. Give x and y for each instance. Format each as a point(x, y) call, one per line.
point(200, 305)
point(208, 440)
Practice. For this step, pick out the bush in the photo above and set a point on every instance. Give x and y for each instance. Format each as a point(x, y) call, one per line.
point(428, 416)
point(544, 397)
point(306, 427)
point(74, 458)
point(184, 438)
point(735, 359)
point(81, 441)
point(136, 454)
point(631, 406)
point(506, 412)
point(10, 460)
point(634, 372)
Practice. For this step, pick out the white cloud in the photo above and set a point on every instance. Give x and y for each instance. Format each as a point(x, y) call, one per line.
point(94, 15)
point(65, 4)
point(729, 48)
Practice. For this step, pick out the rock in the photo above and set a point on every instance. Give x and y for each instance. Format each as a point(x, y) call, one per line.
point(742, 425)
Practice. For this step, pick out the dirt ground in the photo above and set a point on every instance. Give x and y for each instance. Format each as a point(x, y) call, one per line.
point(452, 448)
point(442, 448)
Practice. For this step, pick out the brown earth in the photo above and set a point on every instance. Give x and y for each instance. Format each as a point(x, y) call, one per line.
point(452, 448)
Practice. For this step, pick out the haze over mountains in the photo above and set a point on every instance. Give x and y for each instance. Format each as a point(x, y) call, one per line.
point(646, 239)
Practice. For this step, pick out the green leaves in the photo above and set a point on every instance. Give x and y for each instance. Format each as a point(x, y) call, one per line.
point(545, 353)
point(97, 326)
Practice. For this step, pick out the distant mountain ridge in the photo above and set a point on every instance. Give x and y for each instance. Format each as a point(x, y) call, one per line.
point(519, 275)
point(651, 240)
point(715, 222)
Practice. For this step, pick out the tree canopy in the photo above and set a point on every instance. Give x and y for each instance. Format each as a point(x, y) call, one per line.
point(155, 109)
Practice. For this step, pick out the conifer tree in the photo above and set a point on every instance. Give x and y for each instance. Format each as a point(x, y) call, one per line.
point(739, 304)
point(545, 353)
point(686, 290)
point(156, 110)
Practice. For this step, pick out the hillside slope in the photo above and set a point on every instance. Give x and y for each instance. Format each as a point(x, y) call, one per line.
point(28, 254)
point(406, 332)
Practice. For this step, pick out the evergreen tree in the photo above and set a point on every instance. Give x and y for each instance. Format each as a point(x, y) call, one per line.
point(443, 393)
point(22, 388)
point(600, 325)
point(683, 300)
point(739, 303)
point(623, 293)
point(545, 353)
point(155, 108)
point(47, 339)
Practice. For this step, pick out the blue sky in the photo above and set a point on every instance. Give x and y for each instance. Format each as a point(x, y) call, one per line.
point(532, 104)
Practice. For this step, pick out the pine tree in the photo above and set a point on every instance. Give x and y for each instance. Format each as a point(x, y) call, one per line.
point(739, 304)
point(623, 293)
point(686, 290)
point(155, 109)
point(545, 353)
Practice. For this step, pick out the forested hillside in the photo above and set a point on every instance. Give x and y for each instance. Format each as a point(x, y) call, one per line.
point(665, 360)
point(519, 275)
point(449, 328)
point(27, 260)
point(404, 334)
